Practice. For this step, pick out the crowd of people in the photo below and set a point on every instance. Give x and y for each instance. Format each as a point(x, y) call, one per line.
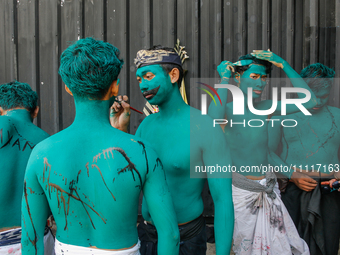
point(89, 176)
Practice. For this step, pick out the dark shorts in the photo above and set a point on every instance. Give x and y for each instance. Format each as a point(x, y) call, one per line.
point(316, 217)
point(193, 238)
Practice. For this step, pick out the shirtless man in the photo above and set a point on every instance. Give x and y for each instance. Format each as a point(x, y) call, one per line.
point(263, 226)
point(90, 175)
point(18, 136)
point(312, 147)
point(183, 138)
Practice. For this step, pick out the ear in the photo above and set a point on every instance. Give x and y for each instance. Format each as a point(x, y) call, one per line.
point(68, 90)
point(35, 113)
point(114, 88)
point(1, 111)
point(237, 77)
point(174, 75)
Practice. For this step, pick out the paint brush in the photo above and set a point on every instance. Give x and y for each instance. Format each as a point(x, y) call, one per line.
point(120, 102)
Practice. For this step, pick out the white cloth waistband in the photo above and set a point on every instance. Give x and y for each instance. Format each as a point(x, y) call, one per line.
point(64, 249)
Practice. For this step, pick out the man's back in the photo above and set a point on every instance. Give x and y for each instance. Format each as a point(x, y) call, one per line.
point(18, 136)
point(92, 183)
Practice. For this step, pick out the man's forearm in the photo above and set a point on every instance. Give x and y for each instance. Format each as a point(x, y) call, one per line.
point(224, 227)
point(275, 160)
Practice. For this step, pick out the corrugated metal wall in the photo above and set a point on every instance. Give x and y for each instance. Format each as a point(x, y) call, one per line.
point(34, 33)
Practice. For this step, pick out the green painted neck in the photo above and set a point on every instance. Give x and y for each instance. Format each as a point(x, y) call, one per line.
point(174, 102)
point(20, 114)
point(92, 112)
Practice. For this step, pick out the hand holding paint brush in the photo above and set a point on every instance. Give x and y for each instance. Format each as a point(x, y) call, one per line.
point(120, 113)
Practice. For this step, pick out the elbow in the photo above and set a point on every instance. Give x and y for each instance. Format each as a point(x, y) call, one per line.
point(170, 235)
point(175, 236)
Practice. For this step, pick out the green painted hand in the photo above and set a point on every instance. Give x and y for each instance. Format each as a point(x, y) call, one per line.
point(270, 57)
point(225, 70)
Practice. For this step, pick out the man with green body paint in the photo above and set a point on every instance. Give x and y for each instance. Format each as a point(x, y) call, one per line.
point(90, 175)
point(183, 138)
point(262, 224)
point(312, 147)
point(18, 136)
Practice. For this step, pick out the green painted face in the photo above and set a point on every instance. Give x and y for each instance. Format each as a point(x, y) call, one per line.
point(254, 77)
point(322, 97)
point(154, 83)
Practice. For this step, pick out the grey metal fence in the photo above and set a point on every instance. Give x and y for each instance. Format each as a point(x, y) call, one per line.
point(35, 32)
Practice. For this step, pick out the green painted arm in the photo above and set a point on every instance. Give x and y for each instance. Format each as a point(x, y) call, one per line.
point(35, 211)
point(218, 111)
point(217, 152)
point(221, 193)
point(294, 77)
point(274, 137)
point(275, 160)
point(159, 202)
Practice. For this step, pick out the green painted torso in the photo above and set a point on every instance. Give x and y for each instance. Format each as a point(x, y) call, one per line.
point(171, 138)
point(104, 202)
point(92, 175)
point(248, 145)
point(18, 136)
point(315, 140)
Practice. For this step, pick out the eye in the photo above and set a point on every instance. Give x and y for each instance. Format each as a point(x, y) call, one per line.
point(264, 78)
point(325, 96)
point(149, 76)
point(254, 76)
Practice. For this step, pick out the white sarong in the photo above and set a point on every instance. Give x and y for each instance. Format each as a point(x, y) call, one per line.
point(263, 225)
point(64, 249)
point(13, 238)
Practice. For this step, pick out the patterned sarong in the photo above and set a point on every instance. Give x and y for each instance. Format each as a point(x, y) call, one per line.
point(10, 242)
point(263, 225)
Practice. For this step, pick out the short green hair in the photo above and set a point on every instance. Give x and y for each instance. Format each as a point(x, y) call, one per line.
point(18, 95)
point(89, 66)
point(323, 76)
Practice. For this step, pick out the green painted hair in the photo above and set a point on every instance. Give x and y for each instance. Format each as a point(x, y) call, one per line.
point(323, 76)
point(18, 95)
point(89, 66)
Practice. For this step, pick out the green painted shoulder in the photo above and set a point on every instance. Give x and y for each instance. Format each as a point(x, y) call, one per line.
point(145, 123)
point(6, 130)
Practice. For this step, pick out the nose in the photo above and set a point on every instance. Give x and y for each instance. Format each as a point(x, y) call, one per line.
point(143, 85)
point(260, 83)
point(318, 100)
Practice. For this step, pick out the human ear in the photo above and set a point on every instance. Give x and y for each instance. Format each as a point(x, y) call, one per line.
point(174, 75)
point(35, 113)
point(237, 77)
point(114, 88)
point(68, 90)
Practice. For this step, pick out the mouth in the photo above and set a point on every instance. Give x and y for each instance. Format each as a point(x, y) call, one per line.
point(151, 93)
point(259, 92)
point(316, 108)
